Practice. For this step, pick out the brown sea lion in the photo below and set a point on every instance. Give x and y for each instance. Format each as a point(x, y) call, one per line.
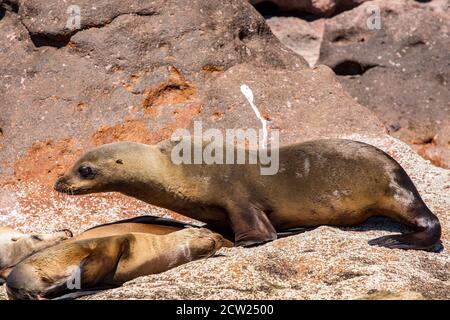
point(142, 224)
point(107, 262)
point(16, 246)
point(323, 182)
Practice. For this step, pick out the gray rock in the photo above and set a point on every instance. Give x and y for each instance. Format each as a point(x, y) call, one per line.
point(299, 35)
point(401, 71)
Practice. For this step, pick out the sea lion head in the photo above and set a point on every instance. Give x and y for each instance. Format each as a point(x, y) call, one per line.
point(16, 246)
point(110, 167)
point(202, 242)
point(25, 283)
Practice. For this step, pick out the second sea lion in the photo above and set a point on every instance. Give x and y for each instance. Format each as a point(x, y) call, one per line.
point(99, 263)
point(16, 246)
point(142, 224)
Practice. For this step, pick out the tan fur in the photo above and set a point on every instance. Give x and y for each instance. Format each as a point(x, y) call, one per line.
point(124, 228)
point(15, 246)
point(108, 261)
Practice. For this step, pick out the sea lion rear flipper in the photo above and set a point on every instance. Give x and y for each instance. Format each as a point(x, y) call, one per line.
point(427, 230)
point(250, 225)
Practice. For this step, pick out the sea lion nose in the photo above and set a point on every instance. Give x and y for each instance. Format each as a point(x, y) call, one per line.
point(60, 184)
point(68, 233)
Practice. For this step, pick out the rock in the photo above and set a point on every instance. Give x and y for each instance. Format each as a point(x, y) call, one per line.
point(138, 71)
point(299, 35)
point(401, 71)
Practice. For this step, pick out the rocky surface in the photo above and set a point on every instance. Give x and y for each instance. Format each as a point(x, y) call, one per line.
point(400, 71)
point(301, 36)
point(139, 70)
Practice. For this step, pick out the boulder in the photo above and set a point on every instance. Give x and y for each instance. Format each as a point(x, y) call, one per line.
point(400, 71)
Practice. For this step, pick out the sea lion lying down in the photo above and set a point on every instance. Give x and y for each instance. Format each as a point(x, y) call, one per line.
point(75, 267)
point(16, 246)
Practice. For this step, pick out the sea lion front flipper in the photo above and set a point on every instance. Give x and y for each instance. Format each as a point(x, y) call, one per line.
point(427, 228)
point(95, 272)
point(250, 226)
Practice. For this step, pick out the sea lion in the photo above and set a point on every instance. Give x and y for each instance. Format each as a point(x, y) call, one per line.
point(16, 246)
point(75, 268)
point(323, 182)
point(142, 224)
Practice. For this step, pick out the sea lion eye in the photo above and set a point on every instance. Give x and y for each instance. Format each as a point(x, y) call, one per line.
point(86, 172)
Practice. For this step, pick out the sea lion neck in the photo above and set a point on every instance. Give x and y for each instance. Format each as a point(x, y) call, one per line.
point(150, 178)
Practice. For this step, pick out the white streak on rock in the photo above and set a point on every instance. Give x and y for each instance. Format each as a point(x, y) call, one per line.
point(248, 93)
